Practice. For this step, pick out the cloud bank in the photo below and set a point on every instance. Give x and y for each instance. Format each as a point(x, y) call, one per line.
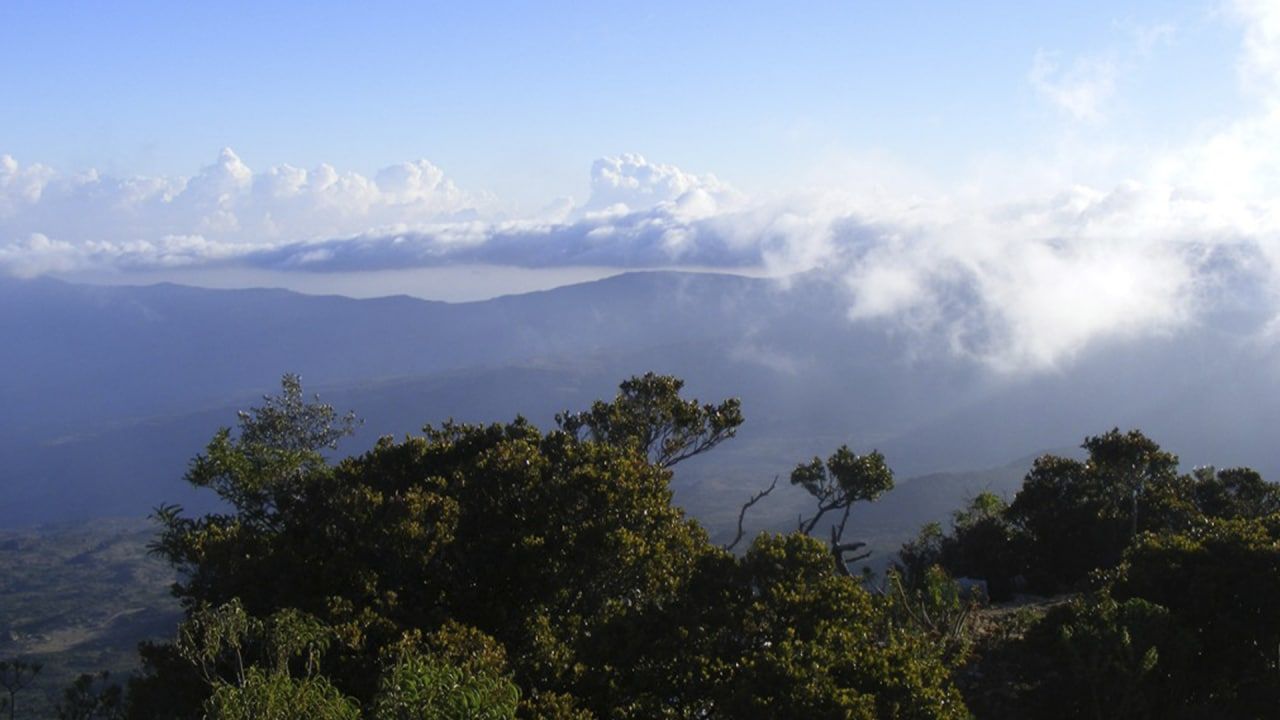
point(51, 221)
point(1021, 281)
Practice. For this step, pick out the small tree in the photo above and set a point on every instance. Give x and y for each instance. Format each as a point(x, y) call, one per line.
point(259, 469)
point(844, 479)
point(16, 676)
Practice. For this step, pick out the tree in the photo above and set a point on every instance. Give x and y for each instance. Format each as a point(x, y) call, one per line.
point(845, 478)
point(777, 633)
point(984, 544)
point(1183, 628)
point(1078, 516)
point(1234, 493)
point(649, 415)
point(16, 676)
point(258, 472)
point(812, 643)
point(1218, 582)
point(449, 526)
point(559, 552)
point(1101, 658)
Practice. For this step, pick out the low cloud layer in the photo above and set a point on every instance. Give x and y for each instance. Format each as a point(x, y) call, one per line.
point(51, 221)
point(1023, 281)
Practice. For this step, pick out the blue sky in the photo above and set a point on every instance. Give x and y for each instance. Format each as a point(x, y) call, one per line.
point(517, 98)
point(1078, 171)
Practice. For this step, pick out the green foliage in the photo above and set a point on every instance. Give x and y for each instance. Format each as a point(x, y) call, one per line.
point(1184, 571)
point(495, 571)
point(813, 645)
point(247, 664)
point(1234, 493)
point(446, 570)
point(984, 507)
point(920, 554)
point(452, 526)
point(1219, 583)
point(986, 544)
point(420, 687)
point(276, 696)
point(935, 607)
point(1079, 516)
point(779, 633)
point(288, 423)
point(649, 415)
point(1184, 627)
point(214, 637)
point(982, 544)
point(259, 471)
point(456, 672)
point(553, 706)
point(842, 480)
point(1105, 659)
point(1073, 517)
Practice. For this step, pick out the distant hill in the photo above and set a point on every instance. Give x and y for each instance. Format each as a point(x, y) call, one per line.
point(109, 390)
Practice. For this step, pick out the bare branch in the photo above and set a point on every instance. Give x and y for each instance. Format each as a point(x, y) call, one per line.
point(823, 509)
point(747, 505)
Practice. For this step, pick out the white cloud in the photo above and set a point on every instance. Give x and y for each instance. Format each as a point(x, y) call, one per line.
point(1016, 284)
point(1260, 59)
point(20, 186)
point(226, 204)
point(1080, 90)
point(1086, 87)
point(1027, 278)
point(629, 182)
point(37, 254)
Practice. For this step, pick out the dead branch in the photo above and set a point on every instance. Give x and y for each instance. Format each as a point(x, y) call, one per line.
point(742, 514)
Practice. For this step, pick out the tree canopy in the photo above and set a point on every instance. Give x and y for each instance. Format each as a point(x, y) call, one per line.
point(1171, 579)
point(649, 415)
point(555, 560)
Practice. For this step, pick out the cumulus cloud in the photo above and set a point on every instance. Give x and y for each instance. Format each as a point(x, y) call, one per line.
point(629, 182)
point(224, 210)
point(640, 214)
